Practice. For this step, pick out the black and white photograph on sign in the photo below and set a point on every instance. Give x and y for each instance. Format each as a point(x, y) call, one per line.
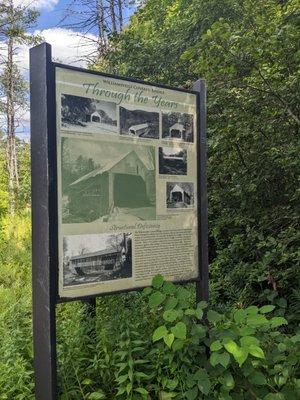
point(90, 115)
point(172, 161)
point(178, 126)
point(139, 123)
point(96, 258)
point(180, 194)
point(107, 182)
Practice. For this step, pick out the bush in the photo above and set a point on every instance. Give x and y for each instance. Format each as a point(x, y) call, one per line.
point(154, 345)
point(203, 354)
point(186, 352)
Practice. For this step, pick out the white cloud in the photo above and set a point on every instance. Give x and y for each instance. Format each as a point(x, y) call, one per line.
point(38, 4)
point(68, 47)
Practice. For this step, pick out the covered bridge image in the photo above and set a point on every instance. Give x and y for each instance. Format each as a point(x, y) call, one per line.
point(95, 262)
point(125, 183)
point(180, 195)
point(96, 116)
point(178, 126)
point(177, 131)
point(139, 130)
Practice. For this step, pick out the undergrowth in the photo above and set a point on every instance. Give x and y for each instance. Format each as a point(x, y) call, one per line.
point(151, 345)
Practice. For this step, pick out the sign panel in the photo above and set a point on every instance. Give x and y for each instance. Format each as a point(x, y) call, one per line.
point(127, 183)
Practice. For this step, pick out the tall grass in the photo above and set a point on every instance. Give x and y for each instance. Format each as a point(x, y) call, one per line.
point(85, 347)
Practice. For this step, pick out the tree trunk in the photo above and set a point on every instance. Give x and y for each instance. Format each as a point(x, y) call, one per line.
point(120, 10)
point(101, 27)
point(100, 18)
point(12, 161)
point(112, 16)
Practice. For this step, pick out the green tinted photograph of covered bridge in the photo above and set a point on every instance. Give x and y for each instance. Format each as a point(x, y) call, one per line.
point(107, 182)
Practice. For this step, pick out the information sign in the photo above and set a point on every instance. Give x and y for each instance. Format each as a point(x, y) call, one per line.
point(118, 192)
point(127, 183)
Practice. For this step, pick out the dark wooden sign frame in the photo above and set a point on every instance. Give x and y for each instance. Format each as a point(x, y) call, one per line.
point(45, 211)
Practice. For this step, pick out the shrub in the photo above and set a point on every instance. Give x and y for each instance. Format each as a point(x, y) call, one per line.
point(203, 354)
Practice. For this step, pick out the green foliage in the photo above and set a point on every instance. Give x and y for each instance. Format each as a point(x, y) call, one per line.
point(158, 345)
point(16, 378)
point(4, 198)
point(237, 353)
point(248, 53)
point(178, 351)
point(24, 191)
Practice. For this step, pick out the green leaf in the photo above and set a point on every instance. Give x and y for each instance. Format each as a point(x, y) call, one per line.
point(147, 291)
point(227, 381)
point(281, 302)
point(199, 331)
point(199, 313)
point(203, 381)
point(129, 387)
point(190, 311)
point(241, 356)
point(192, 394)
point(275, 396)
point(266, 309)
point(171, 303)
point(213, 316)
point(257, 378)
point(156, 299)
point(252, 310)
point(169, 339)
point(157, 281)
point(122, 378)
point(246, 331)
point(257, 320)
point(141, 391)
point(87, 382)
point(169, 288)
point(183, 297)
point(278, 321)
point(202, 304)
point(121, 390)
point(178, 344)
point(159, 333)
point(239, 353)
point(167, 396)
point(247, 341)
point(214, 359)
point(231, 346)
point(219, 358)
point(281, 347)
point(256, 351)
point(96, 396)
point(216, 345)
point(170, 315)
point(179, 330)
point(239, 316)
point(296, 338)
point(182, 293)
point(171, 384)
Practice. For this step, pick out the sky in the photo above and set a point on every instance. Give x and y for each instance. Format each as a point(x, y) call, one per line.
point(68, 44)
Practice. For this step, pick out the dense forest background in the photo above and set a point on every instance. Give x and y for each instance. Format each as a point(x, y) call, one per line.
point(248, 52)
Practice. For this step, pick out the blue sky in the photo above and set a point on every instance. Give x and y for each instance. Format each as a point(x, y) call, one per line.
point(52, 15)
point(51, 18)
point(68, 44)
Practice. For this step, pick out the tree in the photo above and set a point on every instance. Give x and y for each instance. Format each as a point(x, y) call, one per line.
point(105, 17)
point(14, 24)
point(248, 52)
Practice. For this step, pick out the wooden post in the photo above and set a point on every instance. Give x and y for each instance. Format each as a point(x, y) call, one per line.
point(202, 289)
point(44, 220)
